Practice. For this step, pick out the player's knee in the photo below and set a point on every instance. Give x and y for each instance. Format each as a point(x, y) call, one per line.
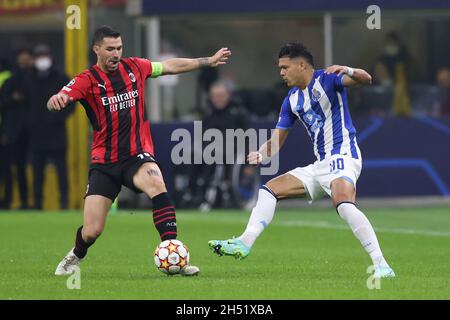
point(157, 184)
point(92, 232)
point(272, 188)
point(339, 197)
point(268, 189)
point(154, 185)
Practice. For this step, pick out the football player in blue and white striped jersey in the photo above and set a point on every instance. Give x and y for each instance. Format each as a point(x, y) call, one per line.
point(318, 100)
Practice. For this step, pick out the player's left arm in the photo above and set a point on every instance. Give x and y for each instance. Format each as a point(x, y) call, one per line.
point(180, 65)
point(351, 76)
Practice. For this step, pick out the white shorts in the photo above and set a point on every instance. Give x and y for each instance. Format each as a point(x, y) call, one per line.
point(317, 177)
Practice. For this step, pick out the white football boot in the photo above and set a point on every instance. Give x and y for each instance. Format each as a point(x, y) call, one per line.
point(190, 270)
point(68, 264)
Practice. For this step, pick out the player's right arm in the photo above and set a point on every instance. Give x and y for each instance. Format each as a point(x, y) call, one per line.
point(75, 90)
point(269, 148)
point(278, 138)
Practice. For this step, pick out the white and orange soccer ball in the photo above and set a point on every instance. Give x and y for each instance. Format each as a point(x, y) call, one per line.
point(171, 256)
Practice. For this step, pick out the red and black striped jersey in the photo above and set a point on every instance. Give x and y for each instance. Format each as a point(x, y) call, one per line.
point(115, 105)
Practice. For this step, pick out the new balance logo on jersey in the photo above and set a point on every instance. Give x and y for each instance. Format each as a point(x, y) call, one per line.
point(121, 101)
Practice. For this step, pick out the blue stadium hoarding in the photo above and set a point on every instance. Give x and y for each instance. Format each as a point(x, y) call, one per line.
point(401, 156)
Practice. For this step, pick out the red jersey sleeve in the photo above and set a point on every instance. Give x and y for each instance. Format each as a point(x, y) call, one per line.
point(78, 87)
point(145, 65)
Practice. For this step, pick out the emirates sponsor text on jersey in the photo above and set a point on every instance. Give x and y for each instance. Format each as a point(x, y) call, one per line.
point(121, 101)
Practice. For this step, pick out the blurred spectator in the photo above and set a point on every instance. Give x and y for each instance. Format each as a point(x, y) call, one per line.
point(443, 78)
point(210, 185)
point(443, 84)
point(381, 76)
point(48, 141)
point(375, 100)
point(394, 65)
point(5, 73)
point(223, 111)
point(14, 133)
point(5, 198)
point(206, 77)
point(394, 53)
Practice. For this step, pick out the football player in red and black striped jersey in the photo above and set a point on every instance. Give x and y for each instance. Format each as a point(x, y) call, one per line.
point(112, 93)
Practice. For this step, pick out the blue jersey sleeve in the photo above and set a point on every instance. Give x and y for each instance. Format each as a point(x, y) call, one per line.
point(338, 81)
point(332, 80)
point(287, 118)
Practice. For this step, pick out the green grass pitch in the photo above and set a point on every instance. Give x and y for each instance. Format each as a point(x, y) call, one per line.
point(304, 254)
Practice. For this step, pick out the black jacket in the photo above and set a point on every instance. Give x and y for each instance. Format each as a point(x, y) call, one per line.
point(47, 129)
point(232, 116)
point(14, 113)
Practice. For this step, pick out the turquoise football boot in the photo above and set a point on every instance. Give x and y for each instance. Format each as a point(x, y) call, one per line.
point(384, 272)
point(231, 247)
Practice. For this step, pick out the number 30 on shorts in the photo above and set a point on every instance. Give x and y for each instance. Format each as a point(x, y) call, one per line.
point(337, 164)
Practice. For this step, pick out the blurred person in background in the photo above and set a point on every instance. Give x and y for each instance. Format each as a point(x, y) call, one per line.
point(48, 139)
point(398, 62)
point(377, 99)
point(394, 53)
point(14, 134)
point(381, 76)
point(5, 198)
point(443, 84)
point(206, 77)
point(223, 112)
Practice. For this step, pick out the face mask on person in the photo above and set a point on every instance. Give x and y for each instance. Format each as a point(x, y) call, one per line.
point(43, 63)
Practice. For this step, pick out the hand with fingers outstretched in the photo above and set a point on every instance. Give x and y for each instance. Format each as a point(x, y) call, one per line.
point(220, 57)
point(337, 69)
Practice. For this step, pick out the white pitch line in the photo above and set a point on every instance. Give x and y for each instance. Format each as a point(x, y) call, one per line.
point(327, 225)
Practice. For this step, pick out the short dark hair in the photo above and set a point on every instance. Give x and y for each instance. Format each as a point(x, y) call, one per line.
point(104, 32)
point(296, 50)
point(20, 51)
point(41, 50)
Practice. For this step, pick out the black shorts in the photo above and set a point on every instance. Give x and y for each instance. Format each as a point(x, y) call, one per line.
point(107, 179)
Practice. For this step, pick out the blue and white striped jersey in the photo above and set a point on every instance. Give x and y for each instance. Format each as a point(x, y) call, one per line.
point(323, 109)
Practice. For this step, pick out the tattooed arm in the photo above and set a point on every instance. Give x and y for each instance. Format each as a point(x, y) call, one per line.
point(180, 65)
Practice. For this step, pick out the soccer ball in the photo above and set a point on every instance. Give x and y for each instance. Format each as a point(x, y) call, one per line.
point(171, 256)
